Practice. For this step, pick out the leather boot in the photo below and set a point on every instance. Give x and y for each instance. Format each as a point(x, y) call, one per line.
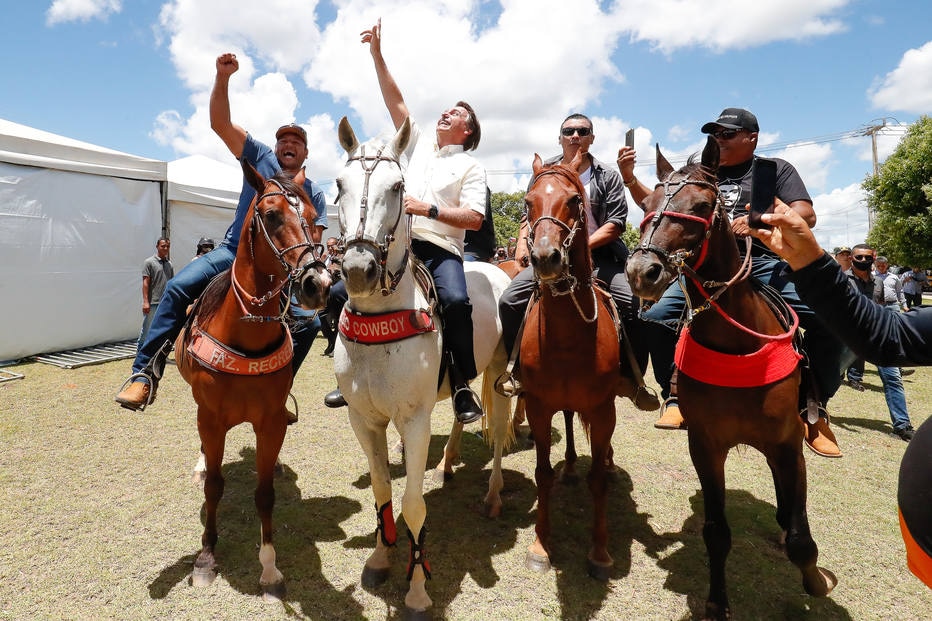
point(820, 439)
point(138, 394)
point(466, 404)
point(334, 399)
point(670, 416)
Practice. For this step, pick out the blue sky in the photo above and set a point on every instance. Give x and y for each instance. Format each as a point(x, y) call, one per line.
point(134, 75)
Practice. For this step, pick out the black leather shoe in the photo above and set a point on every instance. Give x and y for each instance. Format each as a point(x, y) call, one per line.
point(466, 405)
point(334, 399)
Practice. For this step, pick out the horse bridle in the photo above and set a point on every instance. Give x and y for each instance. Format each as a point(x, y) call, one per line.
point(566, 275)
point(389, 280)
point(292, 272)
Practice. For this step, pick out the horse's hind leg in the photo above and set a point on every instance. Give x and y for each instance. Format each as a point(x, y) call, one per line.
point(212, 443)
point(601, 427)
point(710, 467)
point(268, 444)
point(451, 454)
point(568, 476)
point(789, 473)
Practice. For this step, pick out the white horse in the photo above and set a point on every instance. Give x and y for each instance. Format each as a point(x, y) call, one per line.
point(397, 381)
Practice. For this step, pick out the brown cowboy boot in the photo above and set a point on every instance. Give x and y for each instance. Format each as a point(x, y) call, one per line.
point(820, 439)
point(670, 415)
point(137, 395)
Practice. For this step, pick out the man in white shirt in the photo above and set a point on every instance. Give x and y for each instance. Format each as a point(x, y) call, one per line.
point(446, 193)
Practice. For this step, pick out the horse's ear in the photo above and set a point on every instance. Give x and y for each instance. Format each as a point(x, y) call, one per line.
point(402, 137)
point(538, 164)
point(347, 136)
point(664, 168)
point(710, 155)
point(253, 177)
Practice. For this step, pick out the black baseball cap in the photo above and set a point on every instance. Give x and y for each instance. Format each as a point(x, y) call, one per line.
point(205, 241)
point(733, 118)
point(292, 128)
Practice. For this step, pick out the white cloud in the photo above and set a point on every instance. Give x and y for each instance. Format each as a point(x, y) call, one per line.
point(721, 25)
point(63, 11)
point(907, 88)
point(812, 161)
point(842, 217)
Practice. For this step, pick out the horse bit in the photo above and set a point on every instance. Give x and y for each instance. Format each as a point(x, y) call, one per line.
point(292, 273)
point(389, 280)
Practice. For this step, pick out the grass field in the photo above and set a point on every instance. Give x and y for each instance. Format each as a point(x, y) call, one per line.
point(100, 519)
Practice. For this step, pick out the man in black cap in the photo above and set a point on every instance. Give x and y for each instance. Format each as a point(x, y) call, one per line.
point(289, 155)
point(204, 245)
point(736, 132)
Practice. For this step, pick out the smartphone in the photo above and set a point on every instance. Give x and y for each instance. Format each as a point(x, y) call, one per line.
point(629, 138)
point(763, 191)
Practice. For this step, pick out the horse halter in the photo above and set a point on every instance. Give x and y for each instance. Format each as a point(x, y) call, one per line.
point(568, 241)
point(389, 279)
point(292, 272)
point(677, 259)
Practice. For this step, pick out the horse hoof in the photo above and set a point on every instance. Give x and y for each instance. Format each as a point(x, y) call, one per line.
point(599, 571)
point(411, 614)
point(714, 612)
point(373, 578)
point(203, 576)
point(536, 562)
point(822, 584)
point(273, 592)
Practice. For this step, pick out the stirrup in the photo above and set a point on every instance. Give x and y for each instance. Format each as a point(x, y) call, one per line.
point(508, 385)
point(152, 387)
point(292, 416)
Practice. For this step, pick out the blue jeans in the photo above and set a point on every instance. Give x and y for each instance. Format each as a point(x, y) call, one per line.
point(895, 395)
point(179, 293)
point(824, 350)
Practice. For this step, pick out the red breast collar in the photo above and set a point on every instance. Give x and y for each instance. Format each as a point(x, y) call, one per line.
point(213, 354)
point(385, 327)
point(772, 362)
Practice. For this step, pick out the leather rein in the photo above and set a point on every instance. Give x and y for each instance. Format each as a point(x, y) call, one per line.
point(388, 278)
point(292, 272)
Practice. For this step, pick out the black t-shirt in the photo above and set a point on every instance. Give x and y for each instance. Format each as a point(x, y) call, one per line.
point(734, 183)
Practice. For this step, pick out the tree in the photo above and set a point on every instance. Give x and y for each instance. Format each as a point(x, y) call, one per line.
point(900, 195)
point(507, 210)
point(631, 236)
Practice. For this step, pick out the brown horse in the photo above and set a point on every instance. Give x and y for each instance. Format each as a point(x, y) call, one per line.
point(687, 233)
point(569, 349)
point(236, 351)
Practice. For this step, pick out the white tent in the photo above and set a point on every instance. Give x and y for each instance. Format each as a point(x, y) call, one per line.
point(76, 223)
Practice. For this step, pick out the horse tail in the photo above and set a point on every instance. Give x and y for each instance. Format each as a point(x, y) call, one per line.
point(496, 424)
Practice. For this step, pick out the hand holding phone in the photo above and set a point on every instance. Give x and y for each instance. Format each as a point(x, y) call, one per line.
point(763, 191)
point(629, 138)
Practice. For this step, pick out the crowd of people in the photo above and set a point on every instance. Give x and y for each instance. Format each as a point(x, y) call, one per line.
point(851, 306)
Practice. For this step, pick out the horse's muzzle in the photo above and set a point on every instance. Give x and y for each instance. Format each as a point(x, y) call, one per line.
point(361, 269)
point(313, 286)
point(546, 259)
point(648, 276)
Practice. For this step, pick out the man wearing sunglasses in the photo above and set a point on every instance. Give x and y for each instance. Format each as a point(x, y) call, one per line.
point(608, 212)
point(736, 133)
point(289, 156)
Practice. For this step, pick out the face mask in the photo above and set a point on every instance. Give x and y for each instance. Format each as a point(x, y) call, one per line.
point(863, 265)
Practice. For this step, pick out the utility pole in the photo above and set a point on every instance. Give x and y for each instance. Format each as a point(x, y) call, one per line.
point(872, 132)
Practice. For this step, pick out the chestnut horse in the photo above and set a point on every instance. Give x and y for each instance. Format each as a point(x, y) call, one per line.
point(387, 359)
point(236, 351)
point(736, 329)
point(569, 349)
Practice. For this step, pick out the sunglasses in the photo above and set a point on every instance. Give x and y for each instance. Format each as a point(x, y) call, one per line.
point(582, 131)
point(726, 134)
point(865, 257)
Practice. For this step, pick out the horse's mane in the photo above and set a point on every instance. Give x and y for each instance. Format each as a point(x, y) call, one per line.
point(692, 166)
point(289, 184)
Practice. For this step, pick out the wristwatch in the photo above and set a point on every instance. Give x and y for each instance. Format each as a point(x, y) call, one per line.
point(433, 212)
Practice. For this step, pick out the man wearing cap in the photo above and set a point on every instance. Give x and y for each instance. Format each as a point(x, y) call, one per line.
point(204, 245)
point(736, 132)
point(289, 156)
point(842, 256)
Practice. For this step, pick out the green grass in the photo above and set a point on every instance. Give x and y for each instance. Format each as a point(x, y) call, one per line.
point(100, 519)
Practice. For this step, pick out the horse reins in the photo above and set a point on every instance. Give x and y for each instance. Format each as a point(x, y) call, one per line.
point(388, 278)
point(292, 273)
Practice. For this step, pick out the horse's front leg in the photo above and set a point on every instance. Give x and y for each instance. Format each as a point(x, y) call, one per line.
point(269, 440)
point(601, 428)
point(540, 420)
point(789, 472)
point(709, 463)
point(568, 475)
point(213, 440)
point(372, 439)
point(451, 454)
point(416, 434)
